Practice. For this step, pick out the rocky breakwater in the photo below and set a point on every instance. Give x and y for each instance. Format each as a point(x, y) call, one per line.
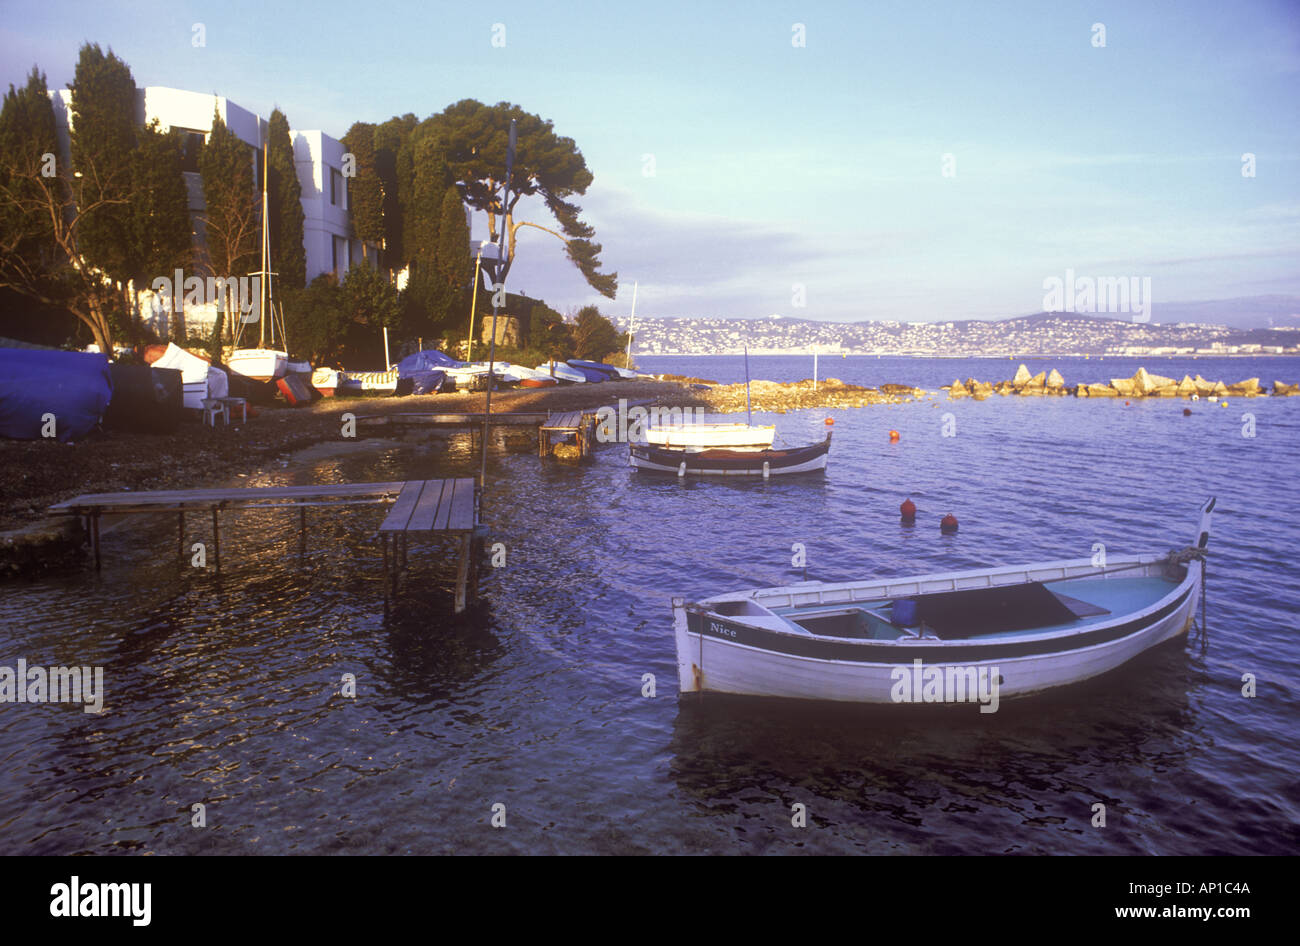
point(1142, 384)
point(777, 398)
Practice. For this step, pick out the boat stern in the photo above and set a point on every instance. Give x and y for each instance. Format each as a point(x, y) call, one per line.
point(689, 677)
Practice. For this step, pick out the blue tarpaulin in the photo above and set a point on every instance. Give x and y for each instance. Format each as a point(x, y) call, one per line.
point(75, 387)
point(427, 382)
point(427, 360)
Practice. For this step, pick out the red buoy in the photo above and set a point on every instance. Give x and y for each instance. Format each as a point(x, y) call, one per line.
point(907, 510)
point(830, 422)
point(948, 523)
point(1187, 412)
point(893, 436)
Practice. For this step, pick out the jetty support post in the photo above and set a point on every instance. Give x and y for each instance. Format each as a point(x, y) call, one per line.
point(216, 539)
point(383, 540)
point(462, 570)
point(180, 534)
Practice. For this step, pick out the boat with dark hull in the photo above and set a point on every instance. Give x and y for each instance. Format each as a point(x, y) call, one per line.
point(725, 462)
point(1002, 632)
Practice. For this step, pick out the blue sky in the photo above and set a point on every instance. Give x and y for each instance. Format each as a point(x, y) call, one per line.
point(818, 166)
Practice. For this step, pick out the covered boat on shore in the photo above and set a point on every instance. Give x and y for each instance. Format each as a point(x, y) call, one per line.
point(201, 380)
point(729, 462)
point(562, 373)
point(999, 632)
point(46, 393)
point(609, 372)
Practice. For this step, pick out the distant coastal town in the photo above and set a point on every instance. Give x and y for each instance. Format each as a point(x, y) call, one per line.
point(1048, 333)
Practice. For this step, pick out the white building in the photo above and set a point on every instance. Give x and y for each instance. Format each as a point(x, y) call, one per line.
point(328, 238)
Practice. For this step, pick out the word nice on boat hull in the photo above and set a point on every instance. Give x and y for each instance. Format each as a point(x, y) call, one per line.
point(729, 462)
point(975, 636)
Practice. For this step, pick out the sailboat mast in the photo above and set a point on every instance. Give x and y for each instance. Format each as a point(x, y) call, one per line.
point(748, 410)
point(631, 322)
point(266, 262)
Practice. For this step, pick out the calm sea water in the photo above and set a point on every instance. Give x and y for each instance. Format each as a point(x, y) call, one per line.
point(225, 691)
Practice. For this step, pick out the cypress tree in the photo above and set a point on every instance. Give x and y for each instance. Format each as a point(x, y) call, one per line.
point(284, 199)
point(103, 144)
point(162, 233)
point(393, 165)
point(230, 216)
point(453, 261)
point(365, 192)
point(27, 134)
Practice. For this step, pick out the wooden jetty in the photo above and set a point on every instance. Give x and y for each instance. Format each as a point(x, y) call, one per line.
point(449, 507)
point(444, 507)
point(471, 419)
point(579, 424)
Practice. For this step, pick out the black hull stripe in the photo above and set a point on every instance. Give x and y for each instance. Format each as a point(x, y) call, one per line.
point(674, 458)
point(887, 652)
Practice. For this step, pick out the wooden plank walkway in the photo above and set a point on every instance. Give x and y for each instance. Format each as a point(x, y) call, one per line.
point(579, 424)
point(449, 506)
point(435, 506)
point(454, 419)
point(174, 499)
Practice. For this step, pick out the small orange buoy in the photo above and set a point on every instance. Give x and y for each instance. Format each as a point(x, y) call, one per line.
point(1187, 412)
point(1126, 403)
point(908, 510)
point(948, 523)
point(830, 422)
point(893, 436)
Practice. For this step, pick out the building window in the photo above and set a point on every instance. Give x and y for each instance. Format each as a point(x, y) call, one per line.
point(340, 256)
point(191, 147)
point(336, 187)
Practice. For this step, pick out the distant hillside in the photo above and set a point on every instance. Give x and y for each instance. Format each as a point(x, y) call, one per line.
point(1044, 333)
point(1278, 311)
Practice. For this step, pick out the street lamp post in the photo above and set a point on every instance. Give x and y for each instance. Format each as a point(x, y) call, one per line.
point(498, 290)
point(473, 301)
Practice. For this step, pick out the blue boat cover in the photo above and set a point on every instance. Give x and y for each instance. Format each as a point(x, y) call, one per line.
point(427, 382)
point(608, 370)
point(73, 386)
point(593, 375)
point(427, 360)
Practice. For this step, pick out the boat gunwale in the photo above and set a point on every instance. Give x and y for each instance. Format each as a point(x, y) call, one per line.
point(703, 607)
point(791, 456)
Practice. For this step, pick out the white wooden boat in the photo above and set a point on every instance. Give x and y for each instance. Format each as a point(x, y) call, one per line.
point(258, 364)
point(200, 380)
point(325, 380)
point(996, 633)
point(354, 381)
point(709, 435)
point(263, 363)
point(724, 461)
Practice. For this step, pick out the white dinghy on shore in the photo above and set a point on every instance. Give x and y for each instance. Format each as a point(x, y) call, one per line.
point(975, 636)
